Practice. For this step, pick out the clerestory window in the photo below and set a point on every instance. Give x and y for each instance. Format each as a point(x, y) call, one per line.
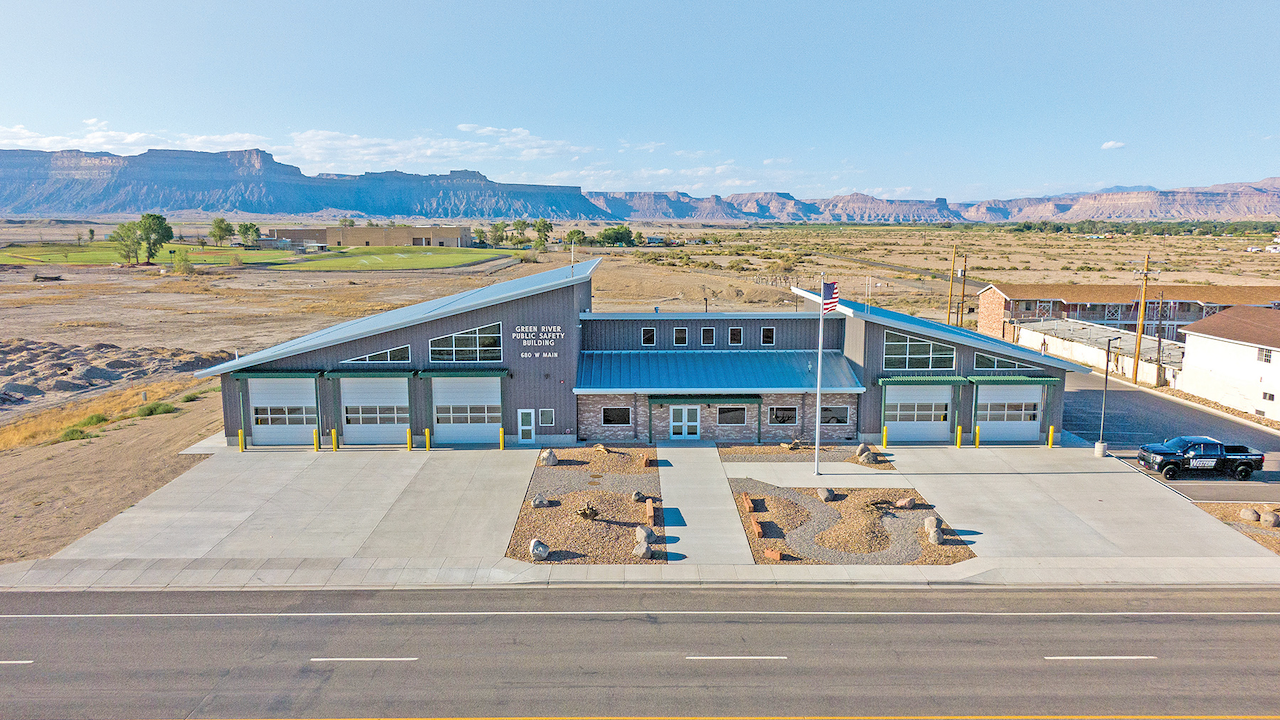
point(904, 352)
point(482, 344)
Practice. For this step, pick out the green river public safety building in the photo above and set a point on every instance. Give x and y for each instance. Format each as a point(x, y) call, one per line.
point(529, 359)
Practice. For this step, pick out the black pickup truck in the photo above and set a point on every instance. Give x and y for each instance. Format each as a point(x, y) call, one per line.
point(1203, 454)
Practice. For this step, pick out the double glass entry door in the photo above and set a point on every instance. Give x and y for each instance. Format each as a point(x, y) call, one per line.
point(684, 422)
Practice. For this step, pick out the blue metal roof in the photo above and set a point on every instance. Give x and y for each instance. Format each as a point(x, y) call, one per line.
point(414, 314)
point(941, 331)
point(712, 371)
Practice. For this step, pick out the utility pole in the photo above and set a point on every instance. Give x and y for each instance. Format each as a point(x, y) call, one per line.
point(964, 280)
point(1160, 342)
point(1142, 314)
point(951, 283)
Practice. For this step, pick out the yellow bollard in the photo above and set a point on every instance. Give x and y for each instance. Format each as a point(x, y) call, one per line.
point(884, 437)
point(242, 441)
point(959, 432)
point(1050, 437)
point(315, 438)
point(977, 434)
point(333, 434)
point(408, 439)
point(502, 440)
point(426, 435)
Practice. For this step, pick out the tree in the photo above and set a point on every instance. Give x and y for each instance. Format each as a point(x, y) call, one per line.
point(480, 234)
point(540, 245)
point(182, 263)
point(153, 233)
point(220, 230)
point(248, 233)
point(543, 228)
point(370, 223)
point(639, 238)
point(620, 235)
point(201, 241)
point(519, 226)
point(126, 241)
point(575, 237)
point(498, 233)
point(79, 237)
point(91, 234)
point(346, 222)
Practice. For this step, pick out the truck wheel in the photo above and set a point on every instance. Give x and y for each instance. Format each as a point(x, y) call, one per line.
point(1243, 472)
point(1170, 472)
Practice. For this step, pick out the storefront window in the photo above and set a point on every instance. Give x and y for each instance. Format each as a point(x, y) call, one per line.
point(731, 416)
point(782, 416)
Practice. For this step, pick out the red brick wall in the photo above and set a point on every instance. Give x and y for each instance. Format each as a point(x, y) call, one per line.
point(591, 427)
point(991, 307)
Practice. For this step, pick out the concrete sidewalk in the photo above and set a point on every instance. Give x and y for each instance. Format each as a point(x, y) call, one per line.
point(698, 506)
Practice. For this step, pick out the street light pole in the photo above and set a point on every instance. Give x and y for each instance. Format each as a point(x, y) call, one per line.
point(1100, 447)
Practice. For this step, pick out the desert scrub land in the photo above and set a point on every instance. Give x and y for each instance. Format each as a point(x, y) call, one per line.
point(603, 478)
point(858, 527)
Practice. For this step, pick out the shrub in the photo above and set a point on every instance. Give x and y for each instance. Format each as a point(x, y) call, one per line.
point(191, 397)
point(94, 419)
point(529, 256)
point(74, 434)
point(236, 261)
point(155, 408)
point(182, 263)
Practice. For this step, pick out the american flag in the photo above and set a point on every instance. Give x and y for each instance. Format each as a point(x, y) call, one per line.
point(830, 297)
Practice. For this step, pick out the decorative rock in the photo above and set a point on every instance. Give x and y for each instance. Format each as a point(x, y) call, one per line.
point(549, 458)
point(538, 549)
point(932, 522)
point(539, 501)
point(637, 496)
point(1250, 514)
point(645, 534)
point(588, 513)
point(905, 503)
point(643, 551)
point(862, 449)
point(600, 448)
point(1269, 519)
point(773, 554)
point(935, 536)
point(827, 495)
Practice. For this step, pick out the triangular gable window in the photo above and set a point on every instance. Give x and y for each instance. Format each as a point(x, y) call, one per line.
point(482, 344)
point(982, 361)
point(394, 355)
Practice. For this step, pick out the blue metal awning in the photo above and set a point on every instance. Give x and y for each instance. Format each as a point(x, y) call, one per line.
point(713, 372)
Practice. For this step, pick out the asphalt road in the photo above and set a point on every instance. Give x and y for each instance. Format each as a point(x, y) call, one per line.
point(669, 651)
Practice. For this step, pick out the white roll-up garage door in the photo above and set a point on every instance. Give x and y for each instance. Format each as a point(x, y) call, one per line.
point(1009, 413)
point(916, 413)
point(375, 411)
point(467, 410)
point(282, 411)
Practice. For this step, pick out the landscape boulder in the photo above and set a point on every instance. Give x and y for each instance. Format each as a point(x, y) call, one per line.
point(905, 503)
point(935, 536)
point(539, 501)
point(933, 522)
point(1269, 519)
point(827, 495)
point(538, 549)
point(549, 458)
point(863, 449)
point(645, 534)
point(1250, 514)
point(637, 496)
point(643, 551)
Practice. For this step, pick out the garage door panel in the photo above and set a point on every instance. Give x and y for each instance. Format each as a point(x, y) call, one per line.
point(282, 411)
point(1009, 413)
point(467, 410)
point(375, 411)
point(918, 413)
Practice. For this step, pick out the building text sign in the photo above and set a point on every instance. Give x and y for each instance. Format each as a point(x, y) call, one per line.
point(538, 336)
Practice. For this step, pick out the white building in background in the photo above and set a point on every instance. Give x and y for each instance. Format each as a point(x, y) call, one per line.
point(1233, 358)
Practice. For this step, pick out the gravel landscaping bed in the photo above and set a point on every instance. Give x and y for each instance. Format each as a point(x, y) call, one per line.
point(861, 527)
point(604, 480)
point(775, 452)
point(1229, 513)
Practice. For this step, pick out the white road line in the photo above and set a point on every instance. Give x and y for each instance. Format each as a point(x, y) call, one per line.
point(735, 657)
point(16, 662)
point(1101, 657)
point(656, 613)
point(365, 659)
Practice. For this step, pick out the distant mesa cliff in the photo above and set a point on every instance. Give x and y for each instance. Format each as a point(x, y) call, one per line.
point(72, 182)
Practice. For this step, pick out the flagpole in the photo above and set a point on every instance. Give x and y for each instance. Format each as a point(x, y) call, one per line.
point(817, 410)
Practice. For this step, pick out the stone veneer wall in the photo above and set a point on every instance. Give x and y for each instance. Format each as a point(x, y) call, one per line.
point(592, 428)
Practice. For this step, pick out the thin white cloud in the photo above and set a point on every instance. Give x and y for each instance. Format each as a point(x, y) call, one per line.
point(1112, 145)
point(777, 161)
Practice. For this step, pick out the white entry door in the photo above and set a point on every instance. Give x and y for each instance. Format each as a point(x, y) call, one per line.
point(526, 425)
point(1010, 413)
point(282, 411)
point(916, 413)
point(375, 411)
point(467, 410)
point(684, 422)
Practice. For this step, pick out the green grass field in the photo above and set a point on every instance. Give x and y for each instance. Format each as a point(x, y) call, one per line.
point(356, 258)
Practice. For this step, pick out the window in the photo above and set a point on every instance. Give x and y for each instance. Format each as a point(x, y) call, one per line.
point(915, 412)
point(990, 362)
point(376, 414)
point(483, 344)
point(766, 336)
point(285, 415)
point(1269, 397)
point(783, 415)
point(394, 355)
point(838, 415)
point(616, 416)
point(468, 414)
point(1264, 355)
point(1260, 413)
point(731, 416)
point(546, 417)
point(648, 336)
point(709, 336)
point(680, 336)
point(735, 336)
point(1007, 412)
point(903, 352)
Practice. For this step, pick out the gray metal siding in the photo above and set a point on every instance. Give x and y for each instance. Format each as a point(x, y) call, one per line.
point(789, 333)
point(231, 420)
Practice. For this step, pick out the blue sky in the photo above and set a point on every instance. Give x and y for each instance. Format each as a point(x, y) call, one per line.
point(964, 100)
